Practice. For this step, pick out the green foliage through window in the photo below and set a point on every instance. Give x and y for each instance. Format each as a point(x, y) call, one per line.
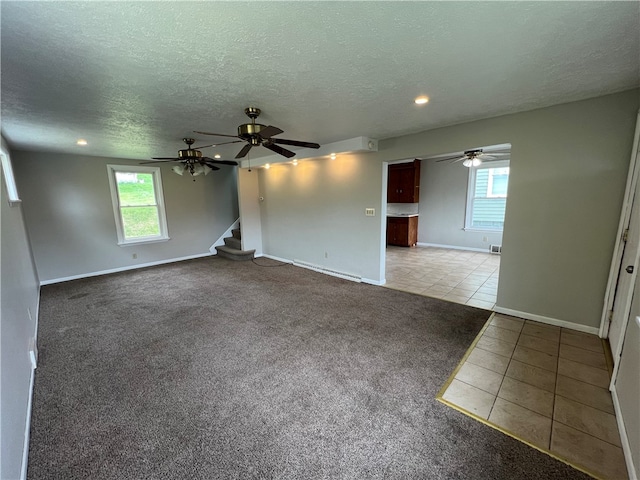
point(138, 205)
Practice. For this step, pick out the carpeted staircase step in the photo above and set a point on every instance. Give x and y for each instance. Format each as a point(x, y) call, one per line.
point(233, 242)
point(234, 253)
point(236, 233)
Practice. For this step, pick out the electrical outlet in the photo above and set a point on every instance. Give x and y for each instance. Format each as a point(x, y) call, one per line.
point(134, 256)
point(326, 254)
point(485, 239)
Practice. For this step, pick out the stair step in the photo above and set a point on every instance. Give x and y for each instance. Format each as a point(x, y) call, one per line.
point(233, 242)
point(236, 233)
point(234, 253)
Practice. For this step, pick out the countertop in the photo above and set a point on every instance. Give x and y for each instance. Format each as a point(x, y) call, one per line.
point(403, 214)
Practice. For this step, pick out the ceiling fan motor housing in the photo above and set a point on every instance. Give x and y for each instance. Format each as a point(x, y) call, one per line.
point(250, 132)
point(189, 154)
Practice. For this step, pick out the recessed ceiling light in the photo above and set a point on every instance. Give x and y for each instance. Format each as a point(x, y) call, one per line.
point(421, 100)
point(217, 155)
point(81, 141)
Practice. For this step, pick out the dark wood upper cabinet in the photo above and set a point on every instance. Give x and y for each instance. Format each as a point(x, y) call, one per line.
point(403, 183)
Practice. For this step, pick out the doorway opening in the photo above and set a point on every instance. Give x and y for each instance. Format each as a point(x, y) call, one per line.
point(460, 216)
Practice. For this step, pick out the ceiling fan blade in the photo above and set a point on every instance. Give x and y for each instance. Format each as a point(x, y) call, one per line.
point(278, 149)
point(296, 143)
point(166, 160)
point(270, 131)
point(451, 159)
point(212, 167)
point(220, 162)
point(217, 144)
point(216, 134)
point(244, 151)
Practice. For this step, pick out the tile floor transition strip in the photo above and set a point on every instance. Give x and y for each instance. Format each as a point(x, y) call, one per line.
point(566, 458)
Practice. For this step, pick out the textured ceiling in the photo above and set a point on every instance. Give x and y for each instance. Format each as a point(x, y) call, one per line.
point(133, 78)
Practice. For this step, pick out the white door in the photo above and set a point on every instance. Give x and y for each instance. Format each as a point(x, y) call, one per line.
point(626, 278)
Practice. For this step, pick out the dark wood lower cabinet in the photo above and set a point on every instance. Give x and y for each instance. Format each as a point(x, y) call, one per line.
point(402, 231)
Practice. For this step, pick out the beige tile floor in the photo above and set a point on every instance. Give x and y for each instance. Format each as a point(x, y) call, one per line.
point(459, 276)
point(545, 385)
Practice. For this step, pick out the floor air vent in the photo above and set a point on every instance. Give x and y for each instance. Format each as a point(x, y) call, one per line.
point(327, 271)
point(497, 249)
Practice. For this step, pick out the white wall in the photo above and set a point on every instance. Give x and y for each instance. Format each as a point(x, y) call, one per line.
point(70, 219)
point(20, 294)
point(443, 204)
point(568, 171)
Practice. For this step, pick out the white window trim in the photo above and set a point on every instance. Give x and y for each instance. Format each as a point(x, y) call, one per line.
point(471, 188)
point(157, 187)
point(9, 178)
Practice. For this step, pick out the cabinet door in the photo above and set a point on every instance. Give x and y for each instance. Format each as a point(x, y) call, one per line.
point(393, 185)
point(402, 232)
point(403, 183)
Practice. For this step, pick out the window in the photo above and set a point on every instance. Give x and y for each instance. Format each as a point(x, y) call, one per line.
point(7, 170)
point(137, 204)
point(487, 196)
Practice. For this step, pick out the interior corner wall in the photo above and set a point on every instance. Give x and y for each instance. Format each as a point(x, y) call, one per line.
point(18, 320)
point(568, 172)
point(315, 212)
point(69, 214)
point(249, 203)
point(443, 205)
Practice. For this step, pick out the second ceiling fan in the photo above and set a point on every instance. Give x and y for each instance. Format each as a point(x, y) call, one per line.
point(256, 134)
point(474, 158)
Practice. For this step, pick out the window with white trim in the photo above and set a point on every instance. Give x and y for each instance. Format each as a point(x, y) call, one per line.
point(7, 171)
point(487, 196)
point(138, 204)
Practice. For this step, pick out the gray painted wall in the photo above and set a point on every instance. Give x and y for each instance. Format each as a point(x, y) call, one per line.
point(20, 291)
point(318, 207)
point(443, 203)
point(568, 171)
point(69, 214)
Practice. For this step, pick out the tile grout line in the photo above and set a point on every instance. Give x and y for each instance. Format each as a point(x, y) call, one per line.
point(505, 372)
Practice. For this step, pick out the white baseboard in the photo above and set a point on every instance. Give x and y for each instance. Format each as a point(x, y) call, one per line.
point(27, 429)
point(123, 269)
point(273, 257)
point(547, 320)
point(624, 439)
point(453, 247)
point(325, 270)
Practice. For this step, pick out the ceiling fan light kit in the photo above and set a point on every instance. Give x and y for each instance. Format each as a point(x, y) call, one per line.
point(191, 160)
point(474, 158)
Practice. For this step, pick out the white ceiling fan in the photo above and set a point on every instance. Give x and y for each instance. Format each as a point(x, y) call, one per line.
point(474, 158)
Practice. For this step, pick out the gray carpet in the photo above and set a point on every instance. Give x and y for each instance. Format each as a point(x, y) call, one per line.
point(218, 369)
